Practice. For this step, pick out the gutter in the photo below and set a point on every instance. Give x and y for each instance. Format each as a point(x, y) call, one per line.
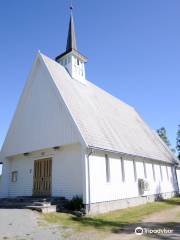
point(130, 155)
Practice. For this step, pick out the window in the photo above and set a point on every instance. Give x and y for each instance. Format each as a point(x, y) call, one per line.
point(77, 61)
point(167, 172)
point(122, 170)
point(161, 173)
point(135, 171)
point(107, 168)
point(14, 176)
point(145, 172)
point(154, 174)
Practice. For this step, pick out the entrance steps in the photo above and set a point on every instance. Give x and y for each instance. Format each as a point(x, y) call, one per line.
point(44, 205)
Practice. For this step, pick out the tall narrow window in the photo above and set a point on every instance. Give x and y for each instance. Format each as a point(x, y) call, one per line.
point(107, 168)
point(161, 172)
point(145, 172)
point(122, 170)
point(154, 173)
point(167, 172)
point(135, 171)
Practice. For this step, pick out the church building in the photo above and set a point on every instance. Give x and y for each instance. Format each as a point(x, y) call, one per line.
point(69, 137)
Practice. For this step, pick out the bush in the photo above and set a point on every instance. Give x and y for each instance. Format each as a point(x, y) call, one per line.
point(76, 203)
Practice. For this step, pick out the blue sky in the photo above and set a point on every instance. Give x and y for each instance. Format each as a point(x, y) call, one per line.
point(133, 48)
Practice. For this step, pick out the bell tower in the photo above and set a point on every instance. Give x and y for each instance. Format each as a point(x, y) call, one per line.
point(71, 59)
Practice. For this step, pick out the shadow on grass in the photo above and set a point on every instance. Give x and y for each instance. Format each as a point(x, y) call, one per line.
point(125, 228)
point(175, 201)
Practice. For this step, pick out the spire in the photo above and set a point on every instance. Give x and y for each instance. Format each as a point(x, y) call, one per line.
point(71, 59)
point(71, 40)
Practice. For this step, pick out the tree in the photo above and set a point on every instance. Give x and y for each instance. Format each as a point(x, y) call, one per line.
point(178, 141)
point(163, 135)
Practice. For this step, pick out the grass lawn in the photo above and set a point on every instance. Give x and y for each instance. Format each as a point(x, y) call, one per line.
point(113, 221)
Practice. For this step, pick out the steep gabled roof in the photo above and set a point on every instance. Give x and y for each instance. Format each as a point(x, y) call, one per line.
point(104, 121)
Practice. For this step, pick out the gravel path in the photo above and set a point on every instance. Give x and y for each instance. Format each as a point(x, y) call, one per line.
point(17, 224)
point(166, 219)
point(20, 224)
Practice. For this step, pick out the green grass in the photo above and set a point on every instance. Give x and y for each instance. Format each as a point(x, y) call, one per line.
point(113, 221)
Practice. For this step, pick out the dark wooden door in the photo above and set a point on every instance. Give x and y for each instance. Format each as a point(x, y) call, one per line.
point(42, 177)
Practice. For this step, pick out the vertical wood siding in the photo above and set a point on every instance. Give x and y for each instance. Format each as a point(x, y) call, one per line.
point(66, 173)
point(116, 188)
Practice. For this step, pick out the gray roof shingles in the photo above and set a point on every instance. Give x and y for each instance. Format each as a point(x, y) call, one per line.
point(104, 121)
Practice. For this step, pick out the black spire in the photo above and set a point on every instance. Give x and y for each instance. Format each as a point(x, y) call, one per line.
point(71, 40)
point(71, 46)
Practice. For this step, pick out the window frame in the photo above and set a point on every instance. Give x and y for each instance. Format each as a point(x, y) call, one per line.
point(14, 176)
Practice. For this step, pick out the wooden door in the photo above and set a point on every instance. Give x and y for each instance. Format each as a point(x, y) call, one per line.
point(42, 177)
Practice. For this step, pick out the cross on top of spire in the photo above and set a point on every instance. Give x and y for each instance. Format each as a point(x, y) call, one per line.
point(71, 7)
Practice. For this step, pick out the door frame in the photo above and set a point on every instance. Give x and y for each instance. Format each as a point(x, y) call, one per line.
point(42, 177)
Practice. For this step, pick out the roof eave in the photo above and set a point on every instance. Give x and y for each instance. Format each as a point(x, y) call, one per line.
point(174, 162)
point(74, 52)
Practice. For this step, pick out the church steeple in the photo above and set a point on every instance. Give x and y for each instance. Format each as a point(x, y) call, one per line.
point(71, 59)
point(71, 40)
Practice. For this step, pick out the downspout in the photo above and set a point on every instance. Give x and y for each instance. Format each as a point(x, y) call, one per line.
point(89, 183)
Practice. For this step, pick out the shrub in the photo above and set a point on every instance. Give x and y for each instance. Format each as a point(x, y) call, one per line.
point(76, 203)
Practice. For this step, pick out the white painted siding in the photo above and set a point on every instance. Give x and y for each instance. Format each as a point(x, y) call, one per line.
point(140, 169)
point(42, 119)
point(116, 188)
point(66, 172)
point(24, 184)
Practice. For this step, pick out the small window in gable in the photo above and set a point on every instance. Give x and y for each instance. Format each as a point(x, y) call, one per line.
point(14, 176)
point(77, 61)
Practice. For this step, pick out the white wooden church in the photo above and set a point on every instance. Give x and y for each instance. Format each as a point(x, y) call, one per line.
point(69, 137)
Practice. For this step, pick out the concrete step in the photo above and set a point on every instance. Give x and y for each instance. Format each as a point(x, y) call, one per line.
point(43, 209)
point(43, 204)
point(49, 204)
